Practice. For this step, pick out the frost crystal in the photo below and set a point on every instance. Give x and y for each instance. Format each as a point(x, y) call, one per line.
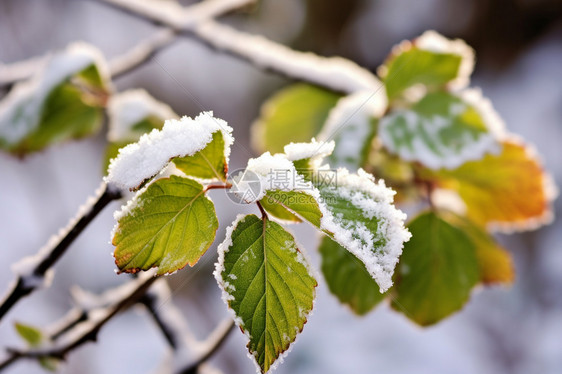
point(140, 161)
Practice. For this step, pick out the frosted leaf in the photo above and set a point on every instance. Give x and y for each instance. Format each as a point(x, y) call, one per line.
point(312, 153)
point(429, 61)
point(351, 125)
point(359, 214)
point(443, 130)
point(140, 161)
point(127, 110)
point(21, 111)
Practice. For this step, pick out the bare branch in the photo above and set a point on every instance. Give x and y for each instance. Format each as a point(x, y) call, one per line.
point(35, 272)
point(73, 330)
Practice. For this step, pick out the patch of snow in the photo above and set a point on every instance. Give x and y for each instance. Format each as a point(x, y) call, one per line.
point(315, 151)
point(128, 108)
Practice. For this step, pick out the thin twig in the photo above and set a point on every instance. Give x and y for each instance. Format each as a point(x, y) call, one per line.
point(212, 344)
point(33, 272)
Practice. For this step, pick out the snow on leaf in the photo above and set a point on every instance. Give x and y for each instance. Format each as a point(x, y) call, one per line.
point(128, 112)
point(437, 271)
point(140, 161)
point(428, 61)
point(506, 192)
point(443, 130)
point(131, 114)
point(351, 124)
point(168, 224)
point(348, 279)
point(62, 101)
point(308, 155)
point(294, 114)
point(359, 214)
point(267, 283)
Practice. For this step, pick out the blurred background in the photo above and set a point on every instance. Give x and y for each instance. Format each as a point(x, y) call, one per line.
point(518, 46)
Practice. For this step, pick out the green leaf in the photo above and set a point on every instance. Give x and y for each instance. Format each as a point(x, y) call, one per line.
point(290, 205)
point(208, 163)
point(437, 271)
point(294, 114)
point(32, 335)
point(267, 283)
point(430, 60)
point(49, 363)
point(495, 263)
point(348, 279)
point(169, 224)
point(60, 103)
point(441, 130)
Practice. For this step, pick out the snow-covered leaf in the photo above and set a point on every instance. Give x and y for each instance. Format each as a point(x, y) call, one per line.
point(32, 335)
point(294, 114)
point(208, 163)
point(348, 279)
point(267, 283)
point(168, 224)
point(430, 61)
point(509, 191)
point(359, 214)
point(437, 271)
point(140, 161)
point(131, 114)
point(352, 125)
point(62, 101)
point(443, 130)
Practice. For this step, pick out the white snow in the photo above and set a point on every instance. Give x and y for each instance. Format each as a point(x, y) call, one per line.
point(350, 124)
point(20, 110)
point(314, 150)
point(140, 161)
point(128, 108)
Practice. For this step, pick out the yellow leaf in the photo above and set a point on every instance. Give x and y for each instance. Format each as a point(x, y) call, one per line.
point(509, 191)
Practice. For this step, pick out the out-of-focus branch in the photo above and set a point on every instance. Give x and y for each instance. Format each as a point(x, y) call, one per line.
point(177, 17)
point(82, 325)
point(335, 73)
point(188, 353)
point(141, 53)
point(35, 272)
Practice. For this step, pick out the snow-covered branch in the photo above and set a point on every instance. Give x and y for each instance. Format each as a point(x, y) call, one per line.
point(83, 323)
point(141, 53)
point(35, 272)
point(335, 73)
